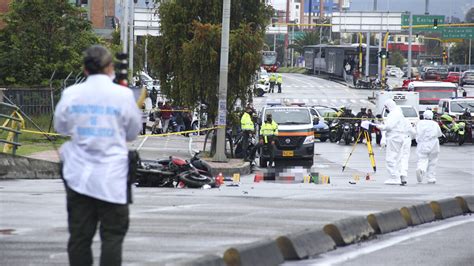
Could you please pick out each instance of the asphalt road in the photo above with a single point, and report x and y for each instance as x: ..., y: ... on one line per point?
x: 422, y: 245
x: 170, y: 224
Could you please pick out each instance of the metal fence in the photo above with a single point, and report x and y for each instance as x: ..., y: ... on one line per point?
x: 32, y: 101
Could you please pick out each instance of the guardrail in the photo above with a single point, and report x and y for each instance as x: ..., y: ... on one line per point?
x: 16, y: 121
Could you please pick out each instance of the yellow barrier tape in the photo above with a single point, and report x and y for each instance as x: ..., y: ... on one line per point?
x: 181, y: 132
x: 146, y: 135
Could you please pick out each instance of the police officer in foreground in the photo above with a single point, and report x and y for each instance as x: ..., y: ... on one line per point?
x: 100, y: 117
x: 268, y: 132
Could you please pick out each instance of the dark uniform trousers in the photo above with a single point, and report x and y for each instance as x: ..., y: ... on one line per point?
x: 84, y: 214
x: 269, y: 149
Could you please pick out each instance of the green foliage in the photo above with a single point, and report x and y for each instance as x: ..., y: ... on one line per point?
x: 460, y: 53
x: 308, y: 38
x: 42, y: 36
x: 188, y: 54
x: 396, y: 58
x: 299, y: 70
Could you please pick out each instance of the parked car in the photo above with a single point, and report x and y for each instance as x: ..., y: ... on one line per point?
x: 467, y: 78
x: 395, y: 72
x: 442, y: 73
x: 430, y: 74
x: 414, y: 72
x: 453, y: 77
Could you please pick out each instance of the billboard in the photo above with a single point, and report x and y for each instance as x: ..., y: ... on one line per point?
x: 330, y: 6
x: 366, y: 22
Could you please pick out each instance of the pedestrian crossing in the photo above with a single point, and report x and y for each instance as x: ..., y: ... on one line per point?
x: 262, y: 101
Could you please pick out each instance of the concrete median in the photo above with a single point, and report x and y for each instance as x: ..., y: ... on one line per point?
x: 446, y: 208
x: 206, y: 260
x: 387, y: 221
x: 418, y: 214
x: 18, y: 167
x: 263, y: 253
x: 304, y: 244
x: 350, y: 230
x: 466, y: 203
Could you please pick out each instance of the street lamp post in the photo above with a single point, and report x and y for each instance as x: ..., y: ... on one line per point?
x: 220, y: 156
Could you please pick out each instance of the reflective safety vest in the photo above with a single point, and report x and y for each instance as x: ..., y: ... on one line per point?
x: 268, y: 129
x: 246, y: 122
x: 280, y: 79
x: 272, y: 78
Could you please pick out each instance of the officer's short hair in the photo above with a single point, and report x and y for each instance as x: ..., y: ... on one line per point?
x: 96, y: 59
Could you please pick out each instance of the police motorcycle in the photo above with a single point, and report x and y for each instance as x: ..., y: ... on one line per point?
x: 347, y: 132
x: 169, y: 172
x: 452, y: 131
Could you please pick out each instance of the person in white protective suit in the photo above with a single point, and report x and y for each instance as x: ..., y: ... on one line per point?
x: 427, y: 134
x: 406, y: 152
x: 396, y: 128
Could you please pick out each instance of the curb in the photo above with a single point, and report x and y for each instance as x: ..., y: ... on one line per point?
x: 466, y: 202
x: 349, y: 231
x: 18, y: 167
x: 242, y: 169
x: 418, y: 214
x: 387, y: 221
x: 262, y: 253
x: 304, y: 244
x: 446, y: 208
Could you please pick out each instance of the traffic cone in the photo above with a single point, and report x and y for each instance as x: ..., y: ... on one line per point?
x: 258, y: 178
x: 219, y: 179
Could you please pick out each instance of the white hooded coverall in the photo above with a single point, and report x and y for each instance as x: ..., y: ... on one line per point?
x: 406, y: 149
x: 396, y: 129
x: 427, y: 134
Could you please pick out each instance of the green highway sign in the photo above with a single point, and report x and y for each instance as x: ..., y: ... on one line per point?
x: 421, y: 19
x: 458, y: 33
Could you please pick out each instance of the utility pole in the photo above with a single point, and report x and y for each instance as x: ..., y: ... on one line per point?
x: 375, y: 5
x: 220, y: 155
x: 470, y: 52
x: 427, y: 4
x: 410, y: 37
x: 367, y: 56
x: 310, y: 11
x: 321, y: 9
x: 132, y: 39
x: 125, y: 26
x: 285, y: 53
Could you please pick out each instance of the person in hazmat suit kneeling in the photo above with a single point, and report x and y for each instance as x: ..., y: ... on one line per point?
x: 396, y: 129
x: 427, y: 149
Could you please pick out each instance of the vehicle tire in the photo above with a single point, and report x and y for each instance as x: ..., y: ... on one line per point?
x: 442, y: 140
x: 323, y: 139
x: 196, y: 180
x: 333, y: 137
x: 259, y: 92
x: 262, y: 162
x: 347, y: 140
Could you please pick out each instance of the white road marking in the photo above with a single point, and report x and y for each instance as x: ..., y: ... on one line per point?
x: 370, y: 248
x: 141, y: 143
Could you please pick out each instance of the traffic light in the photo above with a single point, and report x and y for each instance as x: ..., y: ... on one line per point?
x: 384, y: 54
x: 121, y: 69
x: 435, y: 23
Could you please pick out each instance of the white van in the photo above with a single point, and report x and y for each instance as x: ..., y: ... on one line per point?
x: 455, y: 106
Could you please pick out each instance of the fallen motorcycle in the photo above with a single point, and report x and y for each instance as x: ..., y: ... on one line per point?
x: 169, y: 172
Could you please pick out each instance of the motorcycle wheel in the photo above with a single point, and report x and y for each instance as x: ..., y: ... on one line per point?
x: 333, y: 137
x: 323, y: 139
x: 442, y: 140
x: 196, y: 180
x: 347, y: 140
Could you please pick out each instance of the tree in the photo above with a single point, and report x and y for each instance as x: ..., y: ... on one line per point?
x: 396, y: 58
x: 469, y: 16
x: 42, y: 36
x: 308, y: 38
x: 188, y: 53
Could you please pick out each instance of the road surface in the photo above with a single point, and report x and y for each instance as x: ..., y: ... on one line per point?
x: 170, y: 224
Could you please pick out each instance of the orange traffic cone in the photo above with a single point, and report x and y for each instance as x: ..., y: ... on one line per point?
x: 258, y: 177
x: 219, y: 179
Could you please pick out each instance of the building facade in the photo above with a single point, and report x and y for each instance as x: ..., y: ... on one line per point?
x: 101, y: 13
